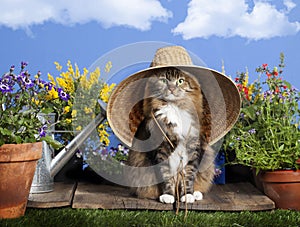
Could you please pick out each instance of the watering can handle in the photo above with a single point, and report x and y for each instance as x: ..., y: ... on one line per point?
x: 65, y: 154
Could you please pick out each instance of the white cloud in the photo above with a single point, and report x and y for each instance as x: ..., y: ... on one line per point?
x: 138, y: 14
x: 225, y: 18
x: 289, y: 5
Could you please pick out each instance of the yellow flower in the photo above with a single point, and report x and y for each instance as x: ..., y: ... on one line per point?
x: 250, y: 91
x: 51, y: 79
x: 58, y: 66
x: 108, y: 66
x: 103, y: 134
x: 83, y: 82
x: 61, y: 82
x: 94, y: 77
x: 78, y: 128
x: 36, y: 101
x: 85, y: 71
x: 77, y: 72
x: 245, y: 82
x: 68, y: 120
x: 70, y: 67
x: 74, y: 113
x: 67, y: 109
x: 105, y: 92
x: 87, y: 110
x: 52, y: 94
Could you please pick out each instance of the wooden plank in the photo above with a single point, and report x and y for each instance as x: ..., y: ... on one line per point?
x: 94, y: 196
x: 228, y: 197
x: 61, y: 196
x: 233, y: 197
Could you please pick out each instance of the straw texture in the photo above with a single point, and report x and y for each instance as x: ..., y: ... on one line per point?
x: 222, y: 99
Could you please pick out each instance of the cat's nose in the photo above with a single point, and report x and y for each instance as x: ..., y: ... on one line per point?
x: 171, y: 87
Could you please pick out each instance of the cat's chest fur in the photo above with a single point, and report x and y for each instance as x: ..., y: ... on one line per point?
x: 183, y: 127
x: 179, y: 118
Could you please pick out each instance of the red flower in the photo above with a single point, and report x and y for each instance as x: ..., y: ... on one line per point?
x: 246, y: 91
x: 275, y: 73
x: 269, y: 75
x: 236, y: 79
x: 264, y: 66
x: 277, y: 90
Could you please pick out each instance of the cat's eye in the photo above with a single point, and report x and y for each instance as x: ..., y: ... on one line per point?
x: 164, y: 80
x: 180, y: 81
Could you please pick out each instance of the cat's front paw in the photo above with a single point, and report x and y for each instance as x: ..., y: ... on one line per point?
x: 188, y: 198
x: 166, y: 198
x: 198, y: 195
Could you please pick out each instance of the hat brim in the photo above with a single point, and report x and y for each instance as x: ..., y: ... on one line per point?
x: 124, y: 109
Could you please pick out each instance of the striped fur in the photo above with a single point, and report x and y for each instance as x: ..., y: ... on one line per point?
x: 175, y: 100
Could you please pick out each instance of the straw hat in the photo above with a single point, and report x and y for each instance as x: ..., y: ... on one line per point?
x: 125, y: 112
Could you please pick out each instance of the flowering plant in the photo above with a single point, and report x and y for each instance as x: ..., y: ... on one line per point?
x: 23, y: 98
x: 266, y: 136
x: 107, y: 159
x: 84, y: 90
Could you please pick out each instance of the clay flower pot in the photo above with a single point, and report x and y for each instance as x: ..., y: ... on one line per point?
x: 17, y: 167
x: 283, y: 187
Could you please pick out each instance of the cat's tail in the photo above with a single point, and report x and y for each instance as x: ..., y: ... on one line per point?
x: 206, y: 171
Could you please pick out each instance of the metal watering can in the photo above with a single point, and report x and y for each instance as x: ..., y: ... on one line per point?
x: 48, y: 167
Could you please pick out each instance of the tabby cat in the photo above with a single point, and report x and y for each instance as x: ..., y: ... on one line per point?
x: 175, y: 119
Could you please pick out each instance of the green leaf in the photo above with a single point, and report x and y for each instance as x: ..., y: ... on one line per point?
x: 281, y: 147
x: 52, y: 142
x: 287, y: 84
x: 47, y: 110
x: 5, y: 131
x: 250, y: 112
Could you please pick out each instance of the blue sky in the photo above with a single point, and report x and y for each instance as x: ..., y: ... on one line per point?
x: 242, y: 33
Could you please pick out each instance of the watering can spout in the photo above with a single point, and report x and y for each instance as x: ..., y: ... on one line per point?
x: 46, y: 168
x: 65, y: 154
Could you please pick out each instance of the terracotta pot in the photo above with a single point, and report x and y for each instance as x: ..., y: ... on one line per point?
x: 17, y: 167
x: 283, y: 187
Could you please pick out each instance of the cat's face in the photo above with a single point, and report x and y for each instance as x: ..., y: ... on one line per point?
x: 171, y: 84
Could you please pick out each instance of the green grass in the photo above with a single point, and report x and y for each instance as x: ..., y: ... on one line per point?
x: 85, y: 217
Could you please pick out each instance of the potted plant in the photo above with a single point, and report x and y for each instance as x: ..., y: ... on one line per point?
x: 266, y: 136
x: 23, y: 98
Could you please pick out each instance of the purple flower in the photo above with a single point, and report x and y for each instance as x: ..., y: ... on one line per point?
x: 103, y: 151
x: 63, y: 95
x: 49, y: 86
x: 112, y: 152
x: 5, y: 87
x: 8, y: 79
x: 23, y: 64
x: 267, y: 93
x: 25, y: 80
x: 218, y: 172
x: 126, y: 151
x: 12, y: 68
x: 42, y: 131
x: 252, y: 131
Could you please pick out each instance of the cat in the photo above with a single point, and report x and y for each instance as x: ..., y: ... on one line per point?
x: 175, y: 120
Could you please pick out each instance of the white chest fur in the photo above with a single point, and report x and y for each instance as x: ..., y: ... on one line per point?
x: 184, y: 126
x: 178, y: 117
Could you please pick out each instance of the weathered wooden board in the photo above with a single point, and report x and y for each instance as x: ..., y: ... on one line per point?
x: 61, y: 196
x: 112, y: 197
x: 228, y: 197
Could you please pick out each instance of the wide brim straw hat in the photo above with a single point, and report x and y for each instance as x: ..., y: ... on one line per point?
x: 223, y: 102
